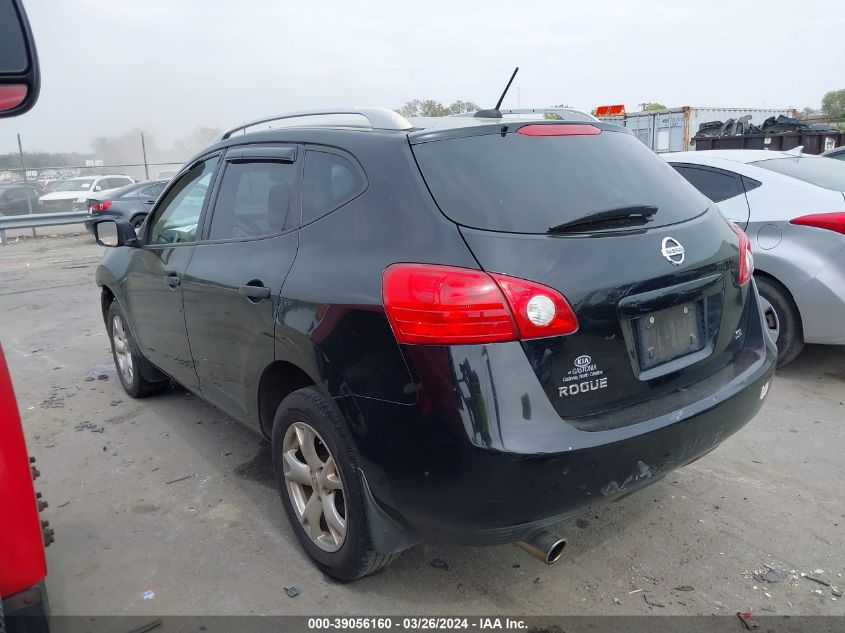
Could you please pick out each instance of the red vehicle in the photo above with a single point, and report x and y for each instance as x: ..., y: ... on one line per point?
x: 22, y: 535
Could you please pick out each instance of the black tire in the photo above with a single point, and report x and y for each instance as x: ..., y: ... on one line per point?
x: 356, y: 556
x: 136, y: 386
x: 138, y: 220
x: 790, y: 335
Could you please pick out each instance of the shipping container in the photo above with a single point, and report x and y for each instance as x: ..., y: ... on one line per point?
x: 672, y: 130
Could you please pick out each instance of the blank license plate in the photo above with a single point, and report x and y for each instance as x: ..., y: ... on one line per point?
x: 669, y: 334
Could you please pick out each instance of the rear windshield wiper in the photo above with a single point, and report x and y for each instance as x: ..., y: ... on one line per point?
x: 636, y: 214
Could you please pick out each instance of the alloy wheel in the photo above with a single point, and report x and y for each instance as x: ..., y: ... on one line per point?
x: 315, y: 487
x: 120, y: 340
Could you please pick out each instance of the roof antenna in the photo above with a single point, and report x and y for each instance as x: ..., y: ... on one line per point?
x: 495, y: 113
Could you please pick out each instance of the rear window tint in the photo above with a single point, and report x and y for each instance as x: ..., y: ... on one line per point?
x: 525, y: 184
x: 822, y: 172
x: 330, y: 181
x: 716, y: 185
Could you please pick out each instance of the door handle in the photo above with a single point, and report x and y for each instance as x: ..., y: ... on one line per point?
x: 173, y: 280
x: 149, y: 201
x: 251, y: 291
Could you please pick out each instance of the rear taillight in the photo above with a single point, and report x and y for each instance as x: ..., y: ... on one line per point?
x: 100, y: 206
x: 559, y: 129
x: 429, y: 304
x: 829, y: 221
x: 746, y: 259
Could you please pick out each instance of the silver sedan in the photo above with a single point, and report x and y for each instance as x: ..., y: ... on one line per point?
x: 792, y: 207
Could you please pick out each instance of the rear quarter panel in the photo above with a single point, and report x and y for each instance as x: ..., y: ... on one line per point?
x: 331, y: 319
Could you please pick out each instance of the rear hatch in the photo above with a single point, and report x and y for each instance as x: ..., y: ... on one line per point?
x: 653, y: 280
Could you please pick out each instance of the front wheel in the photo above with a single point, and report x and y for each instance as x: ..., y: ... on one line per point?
x: 127, y: 360
x: 782, y: 319
x: 316, y: 466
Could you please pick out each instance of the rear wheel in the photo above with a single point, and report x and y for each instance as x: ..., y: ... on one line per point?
x: 316, y: 465
x: 138, y: 220
x: 781, y: 316
x: 127, y: 359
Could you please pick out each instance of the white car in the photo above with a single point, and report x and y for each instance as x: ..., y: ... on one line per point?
x: 792, y: 207
x: 71, y: 194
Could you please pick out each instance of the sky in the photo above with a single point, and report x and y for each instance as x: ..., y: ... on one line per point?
x: 169, y: 66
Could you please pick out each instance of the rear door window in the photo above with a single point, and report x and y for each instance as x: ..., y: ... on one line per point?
x: 153, y: 191
x: 716, y: 184
x: 254, y: 200
x: 330, y: 181
x: 526, y: 184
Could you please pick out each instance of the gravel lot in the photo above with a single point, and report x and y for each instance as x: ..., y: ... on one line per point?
x: 218, y: 541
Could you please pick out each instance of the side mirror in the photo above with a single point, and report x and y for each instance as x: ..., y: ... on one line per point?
x: 20, y: 79
x: 113, y: 233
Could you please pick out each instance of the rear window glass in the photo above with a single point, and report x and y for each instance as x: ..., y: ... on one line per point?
x: 330, y: 181
x: 527, y: 184
x: 822, y: 172
x: 716, y: 185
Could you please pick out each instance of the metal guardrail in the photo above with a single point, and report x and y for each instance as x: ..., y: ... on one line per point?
x: 35, y: 220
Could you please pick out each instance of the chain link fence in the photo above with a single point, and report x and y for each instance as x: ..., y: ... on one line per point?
x: 29, y: 186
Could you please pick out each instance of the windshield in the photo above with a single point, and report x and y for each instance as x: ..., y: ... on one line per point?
x: 527, y: 184
x: 815, y: 170
x: 76, y: 184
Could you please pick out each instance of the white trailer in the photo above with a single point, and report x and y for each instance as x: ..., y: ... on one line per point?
x: 672, y: 130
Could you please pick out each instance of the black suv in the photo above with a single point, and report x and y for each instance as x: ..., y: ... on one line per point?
x: 469, y: 328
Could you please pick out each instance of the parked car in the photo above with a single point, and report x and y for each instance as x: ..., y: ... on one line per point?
x: 837, y: 153
x: 792, y: 208
x: 433, y: 342
x: 72, y: 194
x: 19, y: 197
x: 131, y: 203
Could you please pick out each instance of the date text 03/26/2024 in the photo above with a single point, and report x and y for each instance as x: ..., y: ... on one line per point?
x: 417, y: 623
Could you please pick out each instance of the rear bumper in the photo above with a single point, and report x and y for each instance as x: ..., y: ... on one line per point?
x: 500, y: 464
x: 822, y: 305
x: 27, y: 611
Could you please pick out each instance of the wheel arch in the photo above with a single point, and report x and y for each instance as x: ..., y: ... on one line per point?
x: 786, y: 290
x: 278, y: 380
x: 106, y: 298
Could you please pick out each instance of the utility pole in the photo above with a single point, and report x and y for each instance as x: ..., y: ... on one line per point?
x: 144, y: 151
x: 28, y: 193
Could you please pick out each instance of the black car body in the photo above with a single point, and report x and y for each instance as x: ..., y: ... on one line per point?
x: 392, y: 272
x: 19, y: 197
x: 131, y: 203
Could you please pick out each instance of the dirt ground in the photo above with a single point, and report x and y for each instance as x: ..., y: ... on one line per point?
x: 216, y: 540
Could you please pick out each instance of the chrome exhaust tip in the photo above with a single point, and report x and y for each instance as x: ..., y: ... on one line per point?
x: 544, y: 546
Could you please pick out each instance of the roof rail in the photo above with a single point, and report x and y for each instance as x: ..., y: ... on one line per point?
x: 378, y: 118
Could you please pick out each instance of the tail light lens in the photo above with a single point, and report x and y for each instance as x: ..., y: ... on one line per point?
x: 829, y: 221
x: 100, y: 206
x: 429, y: 304
x: 746, y: 259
